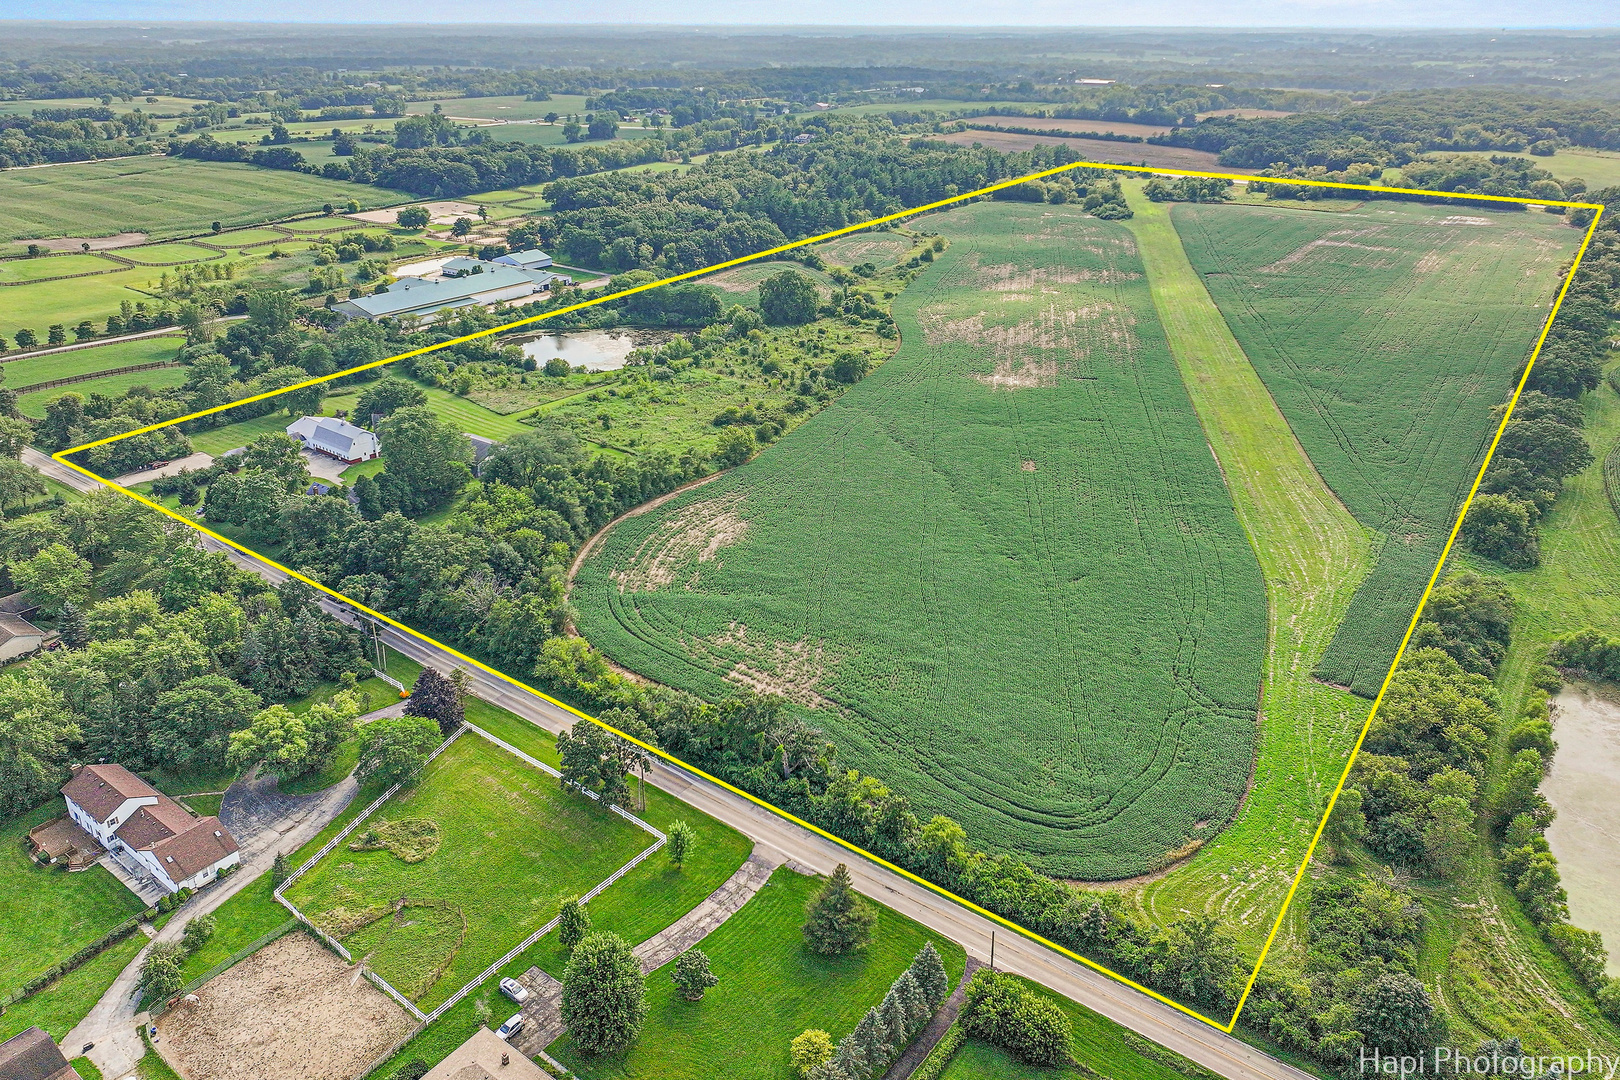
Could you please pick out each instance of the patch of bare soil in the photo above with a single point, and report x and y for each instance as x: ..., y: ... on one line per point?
x: 292, y: 1011
x: 1465, y: 219
x: 97, y: 243
x: 1042, y: 123
x: 1299, y: 254
x: 1019, y: 350
x: 694, y: 535
x: 793, y: 669
x: 1012, y: 278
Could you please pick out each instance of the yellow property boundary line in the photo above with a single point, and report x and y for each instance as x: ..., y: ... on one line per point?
x: 61, y: 458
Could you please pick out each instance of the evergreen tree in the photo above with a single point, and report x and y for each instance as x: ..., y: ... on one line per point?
x: 895, y: 1025
x: 929, y: 971
x: 911, y: 1000
x: 573, y: 923
x: 836, y: 919
x: 604, y: 998
x: 868, y: 1041
x: 71, y: 625
x: 852, y: 1060
x: 436, y: 697
x: 692, y: 974
x: 280, y: 870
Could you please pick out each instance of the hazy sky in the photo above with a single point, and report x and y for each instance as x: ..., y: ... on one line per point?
x: 1458, y: 14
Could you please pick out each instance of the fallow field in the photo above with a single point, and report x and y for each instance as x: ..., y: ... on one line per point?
x: 1003, y: 571
x: 1386, y: 336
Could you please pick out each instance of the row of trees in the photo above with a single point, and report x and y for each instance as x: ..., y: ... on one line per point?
x: 886, y: 1028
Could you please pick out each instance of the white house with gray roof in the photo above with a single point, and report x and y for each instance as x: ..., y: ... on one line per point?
x: 335, y: 438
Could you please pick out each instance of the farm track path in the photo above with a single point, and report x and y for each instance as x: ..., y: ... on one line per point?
x: 1224, y: 1055
x: 1313, y: 555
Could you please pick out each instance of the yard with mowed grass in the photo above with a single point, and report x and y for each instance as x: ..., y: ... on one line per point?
x: 50, y: 914
x: 1101, y: 1048
x: 512, y: 844
x: 30, y: 370
x: 471, y: 417
x: 216, y: 441
x: 1386, y: 336
x: 61, y: 1005
x: 162, y: 196
x: 1003, y: 571
x: 33, y: 405
x: 772, y: 986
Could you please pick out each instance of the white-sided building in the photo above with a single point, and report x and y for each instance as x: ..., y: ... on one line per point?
x: 533, y: 259
x: 335, y: 438
x: 131, y: 818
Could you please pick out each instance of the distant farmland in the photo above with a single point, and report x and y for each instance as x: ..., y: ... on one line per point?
x: 1003, y: 571
x: 1386, y: 337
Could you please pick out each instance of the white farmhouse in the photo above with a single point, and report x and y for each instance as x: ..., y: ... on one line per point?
x: 132, y: 819
x: 335, y: 438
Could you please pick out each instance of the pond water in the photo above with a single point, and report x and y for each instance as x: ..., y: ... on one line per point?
x: 1585, y: 787
x: 596, y: 350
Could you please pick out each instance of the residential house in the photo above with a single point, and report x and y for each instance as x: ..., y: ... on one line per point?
x: 481, y: 448
x: 486, y: 1056
x: 142, y: 826
x: 335, y: 438
x: 32, y: 1055
x: 18, y: 637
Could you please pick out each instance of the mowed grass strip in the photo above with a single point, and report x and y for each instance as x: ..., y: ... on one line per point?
x: 65, y: 365
x: 772, y: 987
x: 513, y: 845
x: 33, y: 405
x: 55, y: 266
x: 1313, y: 555
x: 471, y: 417
x: 162, y: 196
x: 1002, y: 571
x: 1386, y: 335
x: 49, y: 914
x: 168, y: 254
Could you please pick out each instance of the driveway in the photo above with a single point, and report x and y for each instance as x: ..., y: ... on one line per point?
x: 322, y: 467
x: 194, y: 462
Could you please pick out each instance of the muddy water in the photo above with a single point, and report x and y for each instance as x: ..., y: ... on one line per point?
x: 596, y: 350
x: 1585, y: 787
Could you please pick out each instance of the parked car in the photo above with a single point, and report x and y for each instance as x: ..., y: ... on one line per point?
x: 511, y: 1027
x: 514, y: 990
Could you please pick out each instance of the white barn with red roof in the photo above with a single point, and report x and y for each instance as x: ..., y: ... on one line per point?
x: 131, y: 818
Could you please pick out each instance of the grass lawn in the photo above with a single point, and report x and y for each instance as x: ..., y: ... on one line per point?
x: 206, y: 805
x: 30, y: 370
x: 71, y: 300
x: 33, y: 404
x: 216, y: 441
x: 162, y: 196
x: 514, y: 844
x: 771, y: 988
x: 65, y: 1002
x: 365, y: 468
x: 54, y: 266
x: 168, y: 254
x: 1102, y: 1047
x: 49, y: 914
x: 471, y: 417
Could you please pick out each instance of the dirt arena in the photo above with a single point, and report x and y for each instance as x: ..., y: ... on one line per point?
x: 292, y: 1011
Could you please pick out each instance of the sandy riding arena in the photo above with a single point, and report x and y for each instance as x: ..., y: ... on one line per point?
x: 292, y: 1011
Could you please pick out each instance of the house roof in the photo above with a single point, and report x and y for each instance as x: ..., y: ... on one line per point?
x: 531, y: 258
x: 198, y: 848
x: 330, y: 433
x: 17, y: 604
x: 153, y: 824
x: 420, y: 293
x: 101, y: 789
x: 32, y: 1055
x: 479, y: 1058
x: 15, y: 626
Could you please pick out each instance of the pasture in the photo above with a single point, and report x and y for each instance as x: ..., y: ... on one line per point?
x: 1386, y: 336
x: 38, y: 304
x: 33, y: 404
x: 162, y: 196
x: 509, y: 844
x: 54, y: 266
x: 37, y: 369
x: 168, y: 254
x: 772, y: 986
x: 1002, y: 572
x: 505, y: 107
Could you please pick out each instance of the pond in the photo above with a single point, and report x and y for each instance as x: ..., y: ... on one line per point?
x: 596, y: 350
x: 1585, y: 787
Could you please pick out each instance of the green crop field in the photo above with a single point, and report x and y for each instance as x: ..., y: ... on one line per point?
x: 162, y: 196
x: 1003, y: 571
x: 1386, y: 336
x: 507, y: 107
x: 513, y: 845
x: 772, y: 987
x: 33, y: 405
x: 48, y: 913
x: 37, y: 369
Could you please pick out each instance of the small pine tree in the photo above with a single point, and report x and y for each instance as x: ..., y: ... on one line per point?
x: 72, y: 626
x: 692, y: 974
x: 436, y: 697
x: 911, y: 998
x: 895, y: 1025
x: 280, y: 870
x: 929, y: 971
x: 868, y: 1041
x: 852, y: 1060
x: 573, y: 923
x: 836, y: 919
x: 682, y: 838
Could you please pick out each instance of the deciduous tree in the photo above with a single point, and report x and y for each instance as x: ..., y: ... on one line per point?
x: 604, y: 998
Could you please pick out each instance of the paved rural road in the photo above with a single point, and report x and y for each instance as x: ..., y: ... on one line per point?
x: 1220, y: 1053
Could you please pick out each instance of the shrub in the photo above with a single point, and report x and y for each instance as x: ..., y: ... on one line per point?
x: 197, y: 933
x: 692, y: 974
x: 573, y: 923
x: 413, y: 1070
x: 1030, y: 1026
x: 810, y: 1049
x: 160, y: 971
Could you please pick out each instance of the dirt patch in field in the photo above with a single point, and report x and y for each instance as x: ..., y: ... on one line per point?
x: 1011, y: 278
x: 97, y: 243
x: 1465, y: 219
x: 1042, y: 123
x: 1101, y: 150
x: 292, y: 1010
x: 694, y: 535
x: 1020, y: 351
x: 1299, y: 254
x: 793, y: 669
x: 856, y: 249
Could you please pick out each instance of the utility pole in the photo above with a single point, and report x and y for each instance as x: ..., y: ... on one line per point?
x: 992, y: 952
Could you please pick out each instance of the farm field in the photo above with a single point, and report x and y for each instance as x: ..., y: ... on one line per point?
x: 1045, y: 123
x: 48, y: 913
x: 168, y: 254
x: 68, y: 301
x: 1124, y: 153
x: 1390, y: 387
x: 741, y: 285
x: 533, y: 844
x: 33, y: 405
x: 55, y: 266
x: 506, y: 107
x: 30, y: 370
x: 161, y: 196
x: 772, y: 987
x: 922, y: 565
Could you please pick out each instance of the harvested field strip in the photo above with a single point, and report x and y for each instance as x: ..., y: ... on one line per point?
x: 1029, y: 607
x: 1386, y: 336
x: 1313, y: 555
